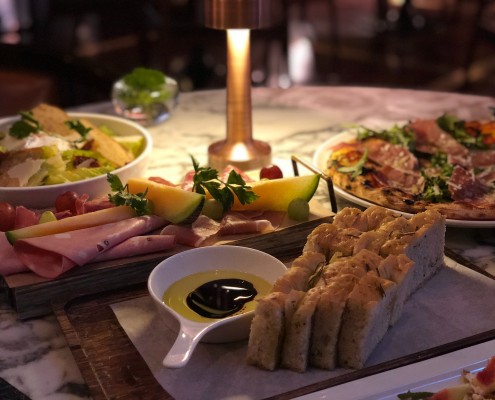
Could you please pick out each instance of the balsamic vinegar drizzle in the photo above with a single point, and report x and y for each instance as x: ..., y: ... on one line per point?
x: 221, y: 298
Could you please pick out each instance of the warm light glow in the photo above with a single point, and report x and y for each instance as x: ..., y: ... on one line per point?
x: 239, y: 152
x: 239, y: 123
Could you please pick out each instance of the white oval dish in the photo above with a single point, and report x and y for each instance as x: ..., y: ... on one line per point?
x: 44, y: 196
x: 203, y: 259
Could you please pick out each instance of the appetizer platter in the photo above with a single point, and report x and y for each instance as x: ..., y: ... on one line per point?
x: 393, y: 303
x: 444, y: 164
x: 86, y: 243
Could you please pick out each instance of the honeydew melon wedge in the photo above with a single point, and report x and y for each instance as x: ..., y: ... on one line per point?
x: 276, y: 194
x: 82, y: 221
x: 174, y: 204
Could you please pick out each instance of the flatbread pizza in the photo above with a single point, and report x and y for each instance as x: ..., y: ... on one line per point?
x: 447, y: 165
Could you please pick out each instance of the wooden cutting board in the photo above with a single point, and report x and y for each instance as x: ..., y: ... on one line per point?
x: 32, y: 296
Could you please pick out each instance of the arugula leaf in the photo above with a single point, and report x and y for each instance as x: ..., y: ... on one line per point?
x: 457, y: 129
x: 436, y: 189
x: 138, y: 202
x: 402, y: 136
x: 25, y: 126
x: 77, y: 126
x: 356, y: 169
x: 415, y: 395
x: 206, y: 179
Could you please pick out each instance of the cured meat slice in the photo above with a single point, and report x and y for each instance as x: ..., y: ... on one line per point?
x: 463, y: 185
x: 385, y: 153
x: 235, y: 223
x: 138, y: 245
x: 51, y: 255
x: 10, y: 262
x: 429, y: 138
x: 25, y: 217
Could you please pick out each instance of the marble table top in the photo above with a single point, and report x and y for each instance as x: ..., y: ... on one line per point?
x: 34, y: 357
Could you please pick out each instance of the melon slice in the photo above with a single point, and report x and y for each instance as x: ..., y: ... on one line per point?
x: 82, y: 221
x: 174, y: 204
x: 276, y: 194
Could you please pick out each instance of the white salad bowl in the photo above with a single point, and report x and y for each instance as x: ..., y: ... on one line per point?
x: 45, y: 196
x: 208, y: 259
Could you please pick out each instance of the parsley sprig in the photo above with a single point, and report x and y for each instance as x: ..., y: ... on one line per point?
x: 25, y: 126
x: 206, y: 179
x: 122, y: 197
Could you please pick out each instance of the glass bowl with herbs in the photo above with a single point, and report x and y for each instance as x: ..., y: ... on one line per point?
x: 145, y: 96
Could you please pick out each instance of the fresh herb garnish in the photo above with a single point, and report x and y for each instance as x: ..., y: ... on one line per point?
x: 356, y: 169
x: 144, y: 87
x: 25, y: 126
x: 402, y: 136
x: 77, y: 126
x: 436, y: 189
x: 440, y: 161
x: 415, y: 395
x: 457, y: 129
x: 138, y: 202
x: 206, y: 179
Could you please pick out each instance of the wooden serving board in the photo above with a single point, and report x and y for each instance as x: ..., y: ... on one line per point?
x: 32, y: 296
x: 113, y: 368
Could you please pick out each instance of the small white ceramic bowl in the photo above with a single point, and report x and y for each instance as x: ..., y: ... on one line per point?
x: 44, y: 196
x: 212, y: 258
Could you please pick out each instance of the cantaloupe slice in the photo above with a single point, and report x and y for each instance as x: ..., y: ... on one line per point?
x: 276, y: 194
x: 82, y: 221
x: 174, y: 204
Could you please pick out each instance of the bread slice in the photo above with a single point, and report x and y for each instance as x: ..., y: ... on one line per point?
x: 424, y: 244
x: 298, y: 337
x: 327, y: 319
x: 269, y: 326
x: 365, y: 320
x: 298, y: 275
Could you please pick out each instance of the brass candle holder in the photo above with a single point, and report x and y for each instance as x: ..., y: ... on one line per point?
x: 238, y: 17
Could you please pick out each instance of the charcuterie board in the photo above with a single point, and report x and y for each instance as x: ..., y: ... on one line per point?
x: 31, y: 295
x: 114, y: 366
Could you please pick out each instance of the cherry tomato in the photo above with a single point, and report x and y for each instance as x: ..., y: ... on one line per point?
x: 271, y: 172
x: 66, y: 201
x: 7, y: 216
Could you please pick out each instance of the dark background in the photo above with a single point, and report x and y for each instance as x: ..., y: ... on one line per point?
x: 68, y: 52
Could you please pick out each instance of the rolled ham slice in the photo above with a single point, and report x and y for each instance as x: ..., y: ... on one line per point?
x: 10, y: 263
x: 138, y: 245
x: 51, y: 255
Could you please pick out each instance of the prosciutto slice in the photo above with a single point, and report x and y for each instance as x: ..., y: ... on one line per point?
x: 430, y: 138
x: 51, y: 255
x: 463, y: 185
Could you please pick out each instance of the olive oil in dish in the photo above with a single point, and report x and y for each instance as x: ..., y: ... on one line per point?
x: 241, y: 288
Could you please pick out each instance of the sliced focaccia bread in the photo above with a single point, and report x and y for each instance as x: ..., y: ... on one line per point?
x: 327, y: 319
x: 298, y: 275
x: 365, y: 320
x: 268, y: 328
x: 424, y: 245
x: 298, y: 336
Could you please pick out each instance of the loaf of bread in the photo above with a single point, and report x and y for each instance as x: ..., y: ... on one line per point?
x: 336, y: 302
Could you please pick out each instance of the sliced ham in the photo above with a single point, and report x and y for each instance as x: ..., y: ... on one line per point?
x: 408, y: 181
x: 10, y: 263
x: 463, y: 185
x: 235, y: 224
x: 138, y: 245
x: 429, y: 138
x: 195, y: 234
x: 51, y: 255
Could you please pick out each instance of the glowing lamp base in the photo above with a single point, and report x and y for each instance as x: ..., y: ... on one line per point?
x: 246, y: 156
